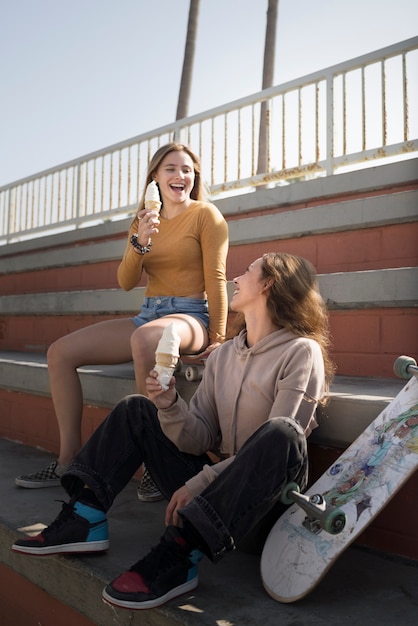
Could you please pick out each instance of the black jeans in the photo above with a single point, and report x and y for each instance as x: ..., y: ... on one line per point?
x: 230, y: 508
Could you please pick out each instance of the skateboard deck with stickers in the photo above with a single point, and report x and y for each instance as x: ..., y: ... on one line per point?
x: 321, y: 523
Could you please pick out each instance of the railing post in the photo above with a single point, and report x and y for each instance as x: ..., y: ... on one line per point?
x: 179, y: 134
x: 329, y: 165
x: 78, y: 196
x: 8, y: 214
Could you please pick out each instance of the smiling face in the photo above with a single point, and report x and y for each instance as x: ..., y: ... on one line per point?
x: 175, y: 177
x: 248, y: 287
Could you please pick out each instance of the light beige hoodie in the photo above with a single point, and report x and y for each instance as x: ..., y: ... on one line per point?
x: 280, y: 376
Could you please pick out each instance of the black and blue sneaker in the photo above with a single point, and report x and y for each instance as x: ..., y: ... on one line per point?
x: 168, y: 571
x: 78, y: 528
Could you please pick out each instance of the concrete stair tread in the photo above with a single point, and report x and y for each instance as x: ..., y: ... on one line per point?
x: 343, y: 386
x: 354, y: 401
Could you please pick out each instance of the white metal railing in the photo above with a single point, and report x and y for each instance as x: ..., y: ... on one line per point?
x: 344, y: 116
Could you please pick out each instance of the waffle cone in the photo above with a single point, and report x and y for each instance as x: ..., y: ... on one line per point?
x: 153, y: 205
x: 166, y: 360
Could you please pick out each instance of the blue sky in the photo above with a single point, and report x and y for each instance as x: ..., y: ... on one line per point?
x: 79, y: 75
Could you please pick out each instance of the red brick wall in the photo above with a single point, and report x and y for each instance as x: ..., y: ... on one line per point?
x: 31, y: 420
x: 372, y: 248
x: 367, y: 342
x: 369, y: 249
x: 35, y: 333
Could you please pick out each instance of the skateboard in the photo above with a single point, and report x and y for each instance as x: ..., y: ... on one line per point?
x: 321, y: 523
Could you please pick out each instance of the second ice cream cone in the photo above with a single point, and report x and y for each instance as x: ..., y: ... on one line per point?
x: 167, y: 355
x: 166, y: 360
x: 165, y: 374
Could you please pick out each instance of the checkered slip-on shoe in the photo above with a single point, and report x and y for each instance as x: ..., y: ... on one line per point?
x: 147, y: 489
x: 50, y: 476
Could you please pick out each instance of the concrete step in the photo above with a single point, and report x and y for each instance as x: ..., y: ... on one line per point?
x: 363, y: 587
x: 385, y: 195
x: 354, y: 401
x: 342, y: 291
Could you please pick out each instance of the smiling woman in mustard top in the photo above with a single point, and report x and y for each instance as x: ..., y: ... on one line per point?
x: 183, y: 253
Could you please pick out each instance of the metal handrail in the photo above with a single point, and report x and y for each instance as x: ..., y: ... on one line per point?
x: 353, y: 114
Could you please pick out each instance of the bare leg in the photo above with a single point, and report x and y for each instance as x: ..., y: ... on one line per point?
x: 103, y: 343
x: 144, y: 341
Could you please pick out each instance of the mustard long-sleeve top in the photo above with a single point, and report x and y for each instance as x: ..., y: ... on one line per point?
x: 188, y: 256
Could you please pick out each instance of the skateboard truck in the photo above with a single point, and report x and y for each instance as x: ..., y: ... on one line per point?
x: 320, y: 515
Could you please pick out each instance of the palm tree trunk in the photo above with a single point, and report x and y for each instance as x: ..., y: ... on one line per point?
x: 186, y: 77
x: 268, y: 76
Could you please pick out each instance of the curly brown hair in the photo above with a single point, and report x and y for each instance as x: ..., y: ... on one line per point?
x: 294, y: 303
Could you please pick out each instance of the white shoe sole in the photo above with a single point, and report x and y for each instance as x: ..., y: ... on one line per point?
x: 67, y: 548
x: 150, y: 604
x: 32, y: 484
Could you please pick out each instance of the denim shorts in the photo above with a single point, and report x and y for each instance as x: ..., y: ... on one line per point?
x: 154, y: 308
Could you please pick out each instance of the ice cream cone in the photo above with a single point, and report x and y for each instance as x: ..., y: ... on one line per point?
x: 167, y: 355
x: 165, y: 374
x: 153, y: 205
x: 166, y: 360
x: 152, y: 199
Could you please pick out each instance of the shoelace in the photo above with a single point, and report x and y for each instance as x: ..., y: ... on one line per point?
x: 67, y: 512
x: 161, y: 558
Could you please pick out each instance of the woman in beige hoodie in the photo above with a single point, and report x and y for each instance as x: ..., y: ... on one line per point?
x: 254, y: 408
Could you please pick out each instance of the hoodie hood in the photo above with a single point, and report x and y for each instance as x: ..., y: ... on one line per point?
x: 276, y: 339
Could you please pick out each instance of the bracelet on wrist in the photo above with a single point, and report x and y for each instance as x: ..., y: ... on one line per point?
x: 139, y: 247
